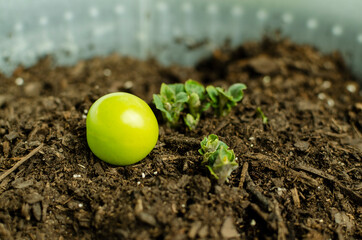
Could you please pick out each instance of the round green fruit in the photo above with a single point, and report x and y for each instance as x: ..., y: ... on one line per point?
x: 121, y: 129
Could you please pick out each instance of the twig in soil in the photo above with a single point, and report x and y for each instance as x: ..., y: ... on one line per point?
x: 243, y: 174
x: 269, y: 206
x: 282, y: 229
x: 278, y: 225
x: 23, y: 159
x: 295, y: 197
x: 315, y: 171
x: 68, y: 200
x: 251, y: 187
x: 45, y: 202
x: 353, y: 195
x: 267, y: 162
x: 264, y: 216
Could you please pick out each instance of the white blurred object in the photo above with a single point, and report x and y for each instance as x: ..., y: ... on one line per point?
x: 71, y: 30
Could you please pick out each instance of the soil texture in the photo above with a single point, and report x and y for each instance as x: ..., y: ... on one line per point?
x: 299, y: 175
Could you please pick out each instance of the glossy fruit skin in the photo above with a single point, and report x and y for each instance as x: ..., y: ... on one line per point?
x: 121, y: 129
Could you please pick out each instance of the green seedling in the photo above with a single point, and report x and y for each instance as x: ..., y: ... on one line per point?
x: 171, y: 102
x: 223, y: 101
x: 262, y: 115
x: 191, y: 99
x: 217, y: 157
x: 196, y: 103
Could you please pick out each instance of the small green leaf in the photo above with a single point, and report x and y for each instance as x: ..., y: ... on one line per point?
x: 212, y: 172
x: 224, y: 164
x: 158, y: 102
x: 217, y: 157
x: 160, y: 106
x: 213, y: 94
x: 212, y: 157
x: 170, y: 103
x: 203, y: 146
x: 236, y: 91
x: 223, y: 93
x: 223, y: 101
x: 262, y: 115
x: 205, y: 107
x: 212, y: 143
x: 167, y: 93
x: 177, y: 87
x: 194, y: 104
x: 194, y: 100
x: 192, y: 86
x: 226, y: 155
x: 191, y: 121
x: 181, y: 97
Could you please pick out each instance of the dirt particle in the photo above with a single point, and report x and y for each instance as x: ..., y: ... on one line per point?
x: 183, y: 200
x: 6, y: 148
x: 99, y: 216
x: 33, y: 197
x: 37, y: 211
x: 264, y: 65
x: 20, y: 183
x: 4, y: 99
x: 11, y: 136
x: 25, y: 211
x: 139, y: 206
x: 5, y: 233
x: 74, y: 204
x: 98, y: 168
x: 203, y: 232
x: 33, y: 89
x: 147, y: 218
x: 194, y: 229
x: 302, y: 145
x: 305, y: 105
x: 83, y: 217
x: 228, y: 229
x: 253, y: 223
x: 40, y: 235
x: 342, y: 219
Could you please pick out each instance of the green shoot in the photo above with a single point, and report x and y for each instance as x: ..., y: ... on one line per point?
x: 191, y: 121
x: 217, y: 158
x: 262, y: 115
x: 196, y: 103
x: 171, y: 101
x: 191, y: 99
x: 223, y: 101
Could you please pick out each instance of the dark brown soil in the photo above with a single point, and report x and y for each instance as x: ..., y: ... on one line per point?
x: 300, y: 175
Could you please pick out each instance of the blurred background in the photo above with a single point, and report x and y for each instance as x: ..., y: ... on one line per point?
x: 172, y: 31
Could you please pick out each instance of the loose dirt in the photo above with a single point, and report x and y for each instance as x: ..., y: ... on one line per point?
x: 299, y: 175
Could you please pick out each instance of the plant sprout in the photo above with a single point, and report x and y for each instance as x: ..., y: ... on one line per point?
x: 171, y: 101
x: 217, y: 157
x: 196, y: 103
x: 191, y: 99
x: 222, y: 101
x: 262, y: 115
